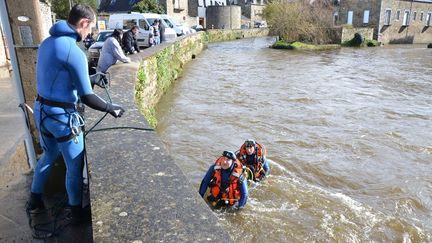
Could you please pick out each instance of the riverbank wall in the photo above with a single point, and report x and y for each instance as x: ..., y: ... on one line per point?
x: 137, y: 191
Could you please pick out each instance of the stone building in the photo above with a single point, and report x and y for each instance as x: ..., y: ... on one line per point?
x: 253, y: 10
x: 393, y: 21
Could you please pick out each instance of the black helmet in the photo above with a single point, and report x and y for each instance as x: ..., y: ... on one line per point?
x: 229, y: 155
x: 250, y: 143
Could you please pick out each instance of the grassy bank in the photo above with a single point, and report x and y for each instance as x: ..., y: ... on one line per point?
x: 302, y: 46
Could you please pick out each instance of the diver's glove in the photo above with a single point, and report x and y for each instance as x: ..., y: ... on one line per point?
x: 236, y: 206
x: 115, y: 110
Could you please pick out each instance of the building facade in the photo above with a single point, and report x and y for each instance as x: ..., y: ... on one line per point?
x: 393, y: 21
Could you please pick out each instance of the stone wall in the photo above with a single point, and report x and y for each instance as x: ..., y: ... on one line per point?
x: 348, y: 33
x: 154, y: 78
x: 46, y: 14
x: 415, y: 32
x: 226, y: 35
x: 358, y: 8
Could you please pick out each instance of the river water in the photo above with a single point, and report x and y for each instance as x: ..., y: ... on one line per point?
x: 347, y: 132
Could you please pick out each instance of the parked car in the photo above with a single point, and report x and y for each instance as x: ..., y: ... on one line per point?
x: 198, y: 27
x: 179, y: 28
x: 260, y: 24
x: 170, y: 34
x: 93, y: 52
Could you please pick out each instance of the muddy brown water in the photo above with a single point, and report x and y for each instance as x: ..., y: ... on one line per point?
x: 347, y: 132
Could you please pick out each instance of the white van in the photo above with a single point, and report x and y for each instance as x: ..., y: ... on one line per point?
x: 180, y: 29
x: 143, y: 21
x: 126, y: 21
x: 170, y: 34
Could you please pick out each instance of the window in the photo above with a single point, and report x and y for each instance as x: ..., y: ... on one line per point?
x: 398, y: 15
x: 350, y: 17
x: 406, y: 16
x: 428, y: 19
x: 143, y: 24
x: 176, y: 4
x: 128, y: 23
x: 421, y: 16
x: 414, y: 16
x: 366, y: 17
x: 387, y: 17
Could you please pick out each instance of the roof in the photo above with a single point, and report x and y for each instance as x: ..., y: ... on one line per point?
x: 112, y: 6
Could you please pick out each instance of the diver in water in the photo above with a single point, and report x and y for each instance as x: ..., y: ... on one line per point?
x: 62, y: 79
x: 252, y: 155
x: 226, y: 181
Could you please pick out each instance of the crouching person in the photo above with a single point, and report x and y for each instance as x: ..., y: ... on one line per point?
x: 227, y: 184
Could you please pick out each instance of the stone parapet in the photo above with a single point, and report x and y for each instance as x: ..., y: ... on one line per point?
x: 348, y: 33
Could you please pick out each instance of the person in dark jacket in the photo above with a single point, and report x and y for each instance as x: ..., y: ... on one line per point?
x: 130, y: 44
x: 161, y: 30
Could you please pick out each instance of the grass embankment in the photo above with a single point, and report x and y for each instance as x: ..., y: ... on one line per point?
x: 302, y: 46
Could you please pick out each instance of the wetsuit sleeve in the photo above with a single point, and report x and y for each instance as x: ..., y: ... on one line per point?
x: 266, y: 166
x: 78, y: 69
x: 206, y: 181
x: 243, y: 194
x: 95, y: 102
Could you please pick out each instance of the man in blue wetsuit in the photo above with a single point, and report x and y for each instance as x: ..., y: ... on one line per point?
x: 62, y: 78
x: 228, y: 186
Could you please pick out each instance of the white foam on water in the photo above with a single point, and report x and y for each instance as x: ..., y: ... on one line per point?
x: 360, y: 211
x: 327, y: 225
x: 406, y: 238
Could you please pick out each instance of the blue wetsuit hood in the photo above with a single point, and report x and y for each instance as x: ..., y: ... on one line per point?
x: 63, y: 28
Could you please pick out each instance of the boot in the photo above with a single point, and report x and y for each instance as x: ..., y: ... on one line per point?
x: 35, y: 203
x: 78, y: 215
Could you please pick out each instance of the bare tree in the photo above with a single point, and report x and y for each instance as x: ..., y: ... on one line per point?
x: 302, y: 20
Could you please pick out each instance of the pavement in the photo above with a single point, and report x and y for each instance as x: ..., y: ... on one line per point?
x: 12, y: 124
x: 15, y: 180
x: 13, y: 166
